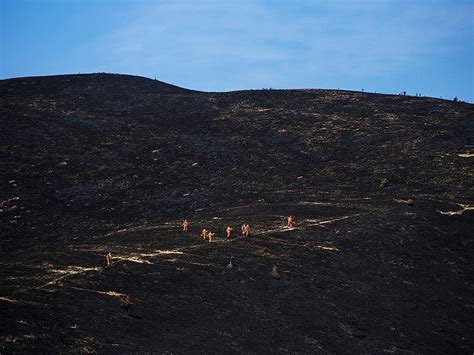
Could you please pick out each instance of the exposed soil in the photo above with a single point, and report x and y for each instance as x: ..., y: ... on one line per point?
x: 98, y: 163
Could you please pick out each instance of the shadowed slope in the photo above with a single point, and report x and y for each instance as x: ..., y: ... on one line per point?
x: 87, y: 85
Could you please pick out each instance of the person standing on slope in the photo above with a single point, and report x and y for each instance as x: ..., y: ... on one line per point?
x: 185, y: 225
x: 246, y: 230
x: 204, y: 234
x: 290, y: 221
x: 227, y: 231
x: 210, y: 235
x: 108, y: 259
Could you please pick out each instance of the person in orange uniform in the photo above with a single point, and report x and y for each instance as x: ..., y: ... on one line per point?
x: 108, y: 259
x: 185, y: 225
x: 290, y: 222
x: 246, y: 230
x: 210, y: 235
x: 227, y: 231
x: 204, y: 234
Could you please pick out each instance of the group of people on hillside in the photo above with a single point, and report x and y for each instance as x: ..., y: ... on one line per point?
x: 209, y: 236
x: 245, y: 229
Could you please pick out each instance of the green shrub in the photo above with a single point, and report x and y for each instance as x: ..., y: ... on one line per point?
x: 409, y: 202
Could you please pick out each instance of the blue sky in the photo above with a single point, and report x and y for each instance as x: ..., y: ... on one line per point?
x: 386, y: 46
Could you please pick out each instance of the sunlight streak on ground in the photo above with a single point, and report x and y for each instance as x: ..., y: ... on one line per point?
x: 106, y: 293
x: 70, y: 271
x: 313, y: 222
x: 463, y: 209
x: 137, y: 229
x: 17, y: 301
x: 133, y: 259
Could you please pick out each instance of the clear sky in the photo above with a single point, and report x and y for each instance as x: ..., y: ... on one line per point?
x: 386, y: 46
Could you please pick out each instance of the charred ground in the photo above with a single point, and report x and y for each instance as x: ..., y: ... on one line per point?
x: 100, y: 162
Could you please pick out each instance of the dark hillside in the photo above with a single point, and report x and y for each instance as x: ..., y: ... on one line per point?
x: 92, y: 163
x: 99, y: 85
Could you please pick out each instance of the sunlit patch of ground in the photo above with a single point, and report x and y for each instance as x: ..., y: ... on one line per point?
x: 314, y: 222
x: 22, y: 301
x: 464, y: 208
x: 138, y: 229
x: 105, y: 293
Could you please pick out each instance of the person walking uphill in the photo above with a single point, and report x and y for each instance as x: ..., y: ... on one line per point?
x: 290, y: 221
x: 246, y: 230
x: 108, y: 259
x: 210, y: 235
x: 185, y: 225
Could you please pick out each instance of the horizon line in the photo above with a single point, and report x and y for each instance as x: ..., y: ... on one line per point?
x: 362, y: 91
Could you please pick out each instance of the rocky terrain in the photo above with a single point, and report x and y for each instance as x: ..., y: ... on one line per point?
x: 381, y: 187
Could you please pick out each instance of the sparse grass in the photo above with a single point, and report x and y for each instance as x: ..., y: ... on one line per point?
x: 383, y: 183
x: 409, y: 202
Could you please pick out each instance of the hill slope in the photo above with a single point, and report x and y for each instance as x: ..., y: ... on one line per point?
x: 92, y: 163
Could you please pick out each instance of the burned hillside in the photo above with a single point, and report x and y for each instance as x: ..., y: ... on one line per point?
x: 380, y: 186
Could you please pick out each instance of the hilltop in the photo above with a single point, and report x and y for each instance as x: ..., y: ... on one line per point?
x: 380, y: 259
